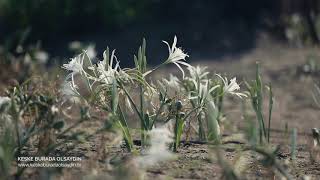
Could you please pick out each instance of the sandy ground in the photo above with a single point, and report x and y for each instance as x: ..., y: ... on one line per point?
x: 293, y: 106
x: 280, y: 66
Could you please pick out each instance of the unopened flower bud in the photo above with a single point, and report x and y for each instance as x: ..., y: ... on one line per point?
x: 181, y: 114
x: 179, y: 105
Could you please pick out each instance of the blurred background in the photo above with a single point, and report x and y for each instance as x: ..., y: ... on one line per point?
x: 207, y: 29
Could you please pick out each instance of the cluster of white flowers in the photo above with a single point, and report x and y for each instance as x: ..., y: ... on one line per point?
x: 84, y: 72
x: 203, y: 86
x: 108, y: 71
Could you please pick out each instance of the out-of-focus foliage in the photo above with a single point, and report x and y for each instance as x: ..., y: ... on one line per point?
x: 299, y: 31
x: 69, y: 14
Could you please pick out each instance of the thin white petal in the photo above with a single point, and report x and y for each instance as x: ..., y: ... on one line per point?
x: 174, y: 44
x: 169, y: 48
x: 180, y: 69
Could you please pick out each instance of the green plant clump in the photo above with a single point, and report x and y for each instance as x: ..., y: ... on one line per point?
x: 115, y: 89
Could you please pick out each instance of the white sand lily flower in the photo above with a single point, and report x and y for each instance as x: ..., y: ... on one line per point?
x: 109, y: 69
x: 41, y: 56
x: 27, y: 59
x: 75, y: 45
x: 4, y: 100
x: 231, y: 87
x: 107, y: 72
x: 5, y: 117
x: 75, y: 65
x: 176, y: 55
x: 91, y: 51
